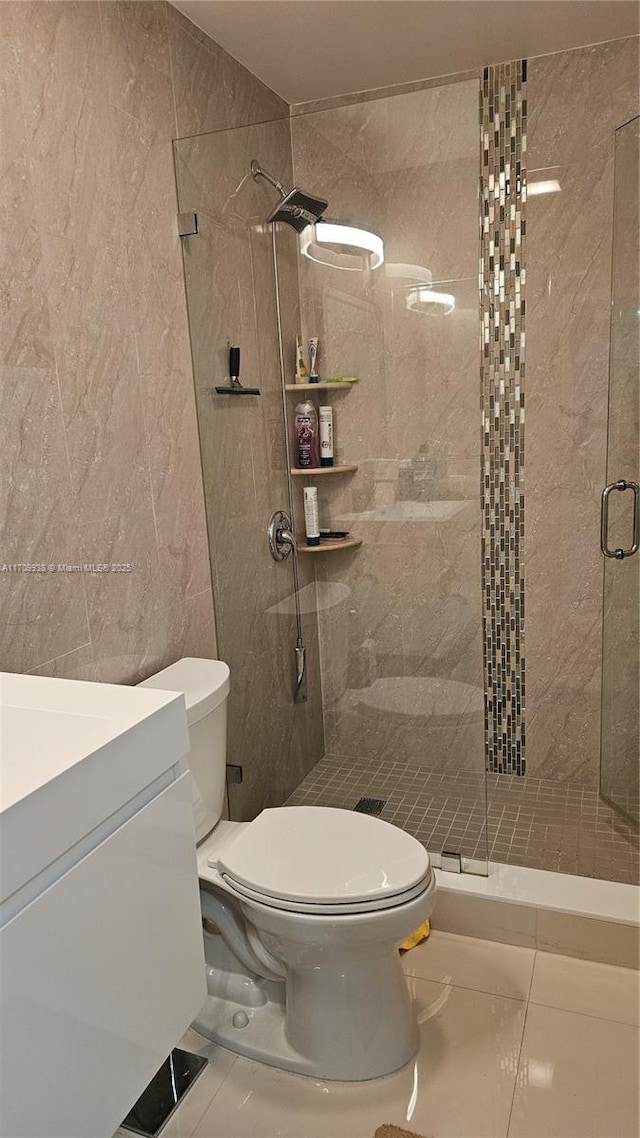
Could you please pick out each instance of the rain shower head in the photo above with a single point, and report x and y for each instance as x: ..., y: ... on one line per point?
x: 298, y: 208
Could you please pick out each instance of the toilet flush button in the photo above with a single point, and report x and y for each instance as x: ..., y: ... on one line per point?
x: 240, y: 1019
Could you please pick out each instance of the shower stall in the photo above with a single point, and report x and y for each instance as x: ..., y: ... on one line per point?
x: 357, y: 669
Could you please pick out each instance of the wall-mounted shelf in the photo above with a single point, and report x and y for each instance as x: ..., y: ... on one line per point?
x: 345, y: 385
x: 331, y: 546
x: 348, y: 469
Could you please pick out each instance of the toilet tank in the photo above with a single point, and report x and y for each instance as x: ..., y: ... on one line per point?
x: 205, y: 685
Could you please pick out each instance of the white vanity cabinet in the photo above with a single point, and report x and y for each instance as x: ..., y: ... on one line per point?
x: 101, y: 962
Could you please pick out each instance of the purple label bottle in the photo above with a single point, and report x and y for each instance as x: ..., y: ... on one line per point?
x: 306, y: 436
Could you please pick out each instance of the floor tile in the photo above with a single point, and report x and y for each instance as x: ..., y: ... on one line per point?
x: 469, y: 1040
x: 466, y: 962
x: 577, y: 1078
x: 600, y: 990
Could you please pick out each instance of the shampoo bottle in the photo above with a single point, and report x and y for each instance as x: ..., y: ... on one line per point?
x: 326, y: 436
x: 306, y: 436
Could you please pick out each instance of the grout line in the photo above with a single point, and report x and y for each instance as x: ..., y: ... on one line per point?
x: 517, y: 1073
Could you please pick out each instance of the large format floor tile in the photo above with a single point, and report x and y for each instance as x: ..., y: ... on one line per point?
x: 500, y: 969
x: 600, y: 990
x: 199, y: 1097
x: 576, y: 1059
x: 577, y: 1078
x: 460, y: 1086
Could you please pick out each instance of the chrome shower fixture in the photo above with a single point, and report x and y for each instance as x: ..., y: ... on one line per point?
x: 297, y: 208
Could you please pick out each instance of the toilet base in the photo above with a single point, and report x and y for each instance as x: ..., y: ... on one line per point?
x: 338, y: 1024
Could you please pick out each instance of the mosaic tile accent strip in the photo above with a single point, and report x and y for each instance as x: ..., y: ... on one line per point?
x: 503, y: 121
x: 563, y: 827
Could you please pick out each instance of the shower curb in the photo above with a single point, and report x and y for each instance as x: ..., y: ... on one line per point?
x: 552, y: 912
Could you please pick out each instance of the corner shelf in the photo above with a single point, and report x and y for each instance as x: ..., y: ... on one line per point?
x: 348, y: 469
x: 319, y: 386
x: 331, y: 546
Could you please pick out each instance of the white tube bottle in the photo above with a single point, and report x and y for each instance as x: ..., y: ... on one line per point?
x: 311, y: 516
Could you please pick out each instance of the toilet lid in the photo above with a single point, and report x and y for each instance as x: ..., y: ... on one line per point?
x: 317, y: 855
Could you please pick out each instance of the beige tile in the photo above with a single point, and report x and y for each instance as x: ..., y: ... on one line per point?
x: 468, y: 1039
x: 413, y: 587
x: 576, y: 99
x: 44, y: 615
x: 577, y: 1076
x: 600, y: 990
x: 75, y: 665
x: 487, y: 920
x: 36, y: 502
x: 604, y: 941
x: 212, y: 90
x: 199, y: 634
x: 466, y: 962
x: 25, y: 338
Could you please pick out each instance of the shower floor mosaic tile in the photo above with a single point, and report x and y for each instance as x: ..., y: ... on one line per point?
x: 566, y: 828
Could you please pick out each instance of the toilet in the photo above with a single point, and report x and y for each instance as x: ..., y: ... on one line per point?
x: 303, y: 913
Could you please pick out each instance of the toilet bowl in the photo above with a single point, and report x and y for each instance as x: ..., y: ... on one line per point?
x: 304, y: 910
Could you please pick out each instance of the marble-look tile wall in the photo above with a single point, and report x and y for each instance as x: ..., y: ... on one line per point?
x: 576, y: 101
x: 230, y: 290
x: 400, y: 617
x: 100, y: 446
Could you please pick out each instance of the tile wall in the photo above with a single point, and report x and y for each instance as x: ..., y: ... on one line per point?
x: 576, y: 100
x: 100, y: 433
x: 376, y: 159
x: 102, y: 443
x: 230, y: 291
x: 400, y: 632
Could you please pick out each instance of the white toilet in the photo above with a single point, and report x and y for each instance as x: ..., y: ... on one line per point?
x: 303, y: 911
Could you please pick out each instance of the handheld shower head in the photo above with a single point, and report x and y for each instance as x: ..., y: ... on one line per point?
x: 297, y: 208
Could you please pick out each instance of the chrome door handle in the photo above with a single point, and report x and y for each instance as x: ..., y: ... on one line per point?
x: 619, y: 554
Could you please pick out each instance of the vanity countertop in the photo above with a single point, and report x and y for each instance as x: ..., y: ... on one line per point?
x: 73, y: 753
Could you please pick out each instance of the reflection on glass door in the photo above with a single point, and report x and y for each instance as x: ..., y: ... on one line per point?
x: 619, y: 756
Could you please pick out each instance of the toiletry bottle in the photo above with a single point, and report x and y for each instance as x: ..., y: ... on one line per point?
x: 311, y: 517
x: 313, y: 360
x: 302, y: 375
x: 326, y: 436
x: 306, y: 436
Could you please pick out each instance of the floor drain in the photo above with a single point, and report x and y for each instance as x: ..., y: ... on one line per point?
x: 370, y: 805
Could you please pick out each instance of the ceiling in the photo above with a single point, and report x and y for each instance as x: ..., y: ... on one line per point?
x: 313, y: 49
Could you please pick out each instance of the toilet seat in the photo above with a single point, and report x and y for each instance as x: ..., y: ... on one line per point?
x: 337, y: 910
x: 314, y: 859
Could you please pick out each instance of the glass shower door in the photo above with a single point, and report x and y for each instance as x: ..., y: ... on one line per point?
x: 619, y: 755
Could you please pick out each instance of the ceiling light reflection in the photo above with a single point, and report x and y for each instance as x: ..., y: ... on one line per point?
x: 551, y: 186
x: 418, y: 273
x: 539, y: 1073
x: 422, y: 299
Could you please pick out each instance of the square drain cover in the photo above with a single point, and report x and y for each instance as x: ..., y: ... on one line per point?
x: 370, y: 805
